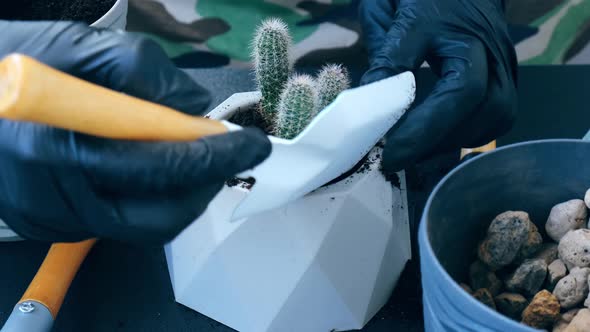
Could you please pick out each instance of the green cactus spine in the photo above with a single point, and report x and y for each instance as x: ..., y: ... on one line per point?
x: 272, y: 63
x: 331, y: 80
x: 297, y: 106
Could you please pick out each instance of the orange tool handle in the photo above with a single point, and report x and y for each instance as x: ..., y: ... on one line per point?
x: 53, y: 279
x: 31, y: 91
x: 484, y: 148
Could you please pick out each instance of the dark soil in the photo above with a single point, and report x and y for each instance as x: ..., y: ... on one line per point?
x: 390, y: 177
x: 248, y: 118
x: 244, y: 183
x: 363, y: 166
x: 88, y: 11
x: 251, y: 118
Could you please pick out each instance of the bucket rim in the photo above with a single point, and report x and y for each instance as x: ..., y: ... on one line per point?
x: 424, y: 242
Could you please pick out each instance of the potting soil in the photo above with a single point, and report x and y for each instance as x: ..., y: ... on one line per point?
x: 251, y: 118
x: 87, y: 11
x: 248, y: 118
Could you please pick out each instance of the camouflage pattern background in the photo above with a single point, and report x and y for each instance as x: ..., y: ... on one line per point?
x: 214, y: 33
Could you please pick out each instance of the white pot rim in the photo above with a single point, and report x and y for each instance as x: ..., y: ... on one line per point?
x: 110, y: 16
x: 7, y: 234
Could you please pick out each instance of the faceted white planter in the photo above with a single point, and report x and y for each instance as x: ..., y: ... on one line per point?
x: 326, y: 262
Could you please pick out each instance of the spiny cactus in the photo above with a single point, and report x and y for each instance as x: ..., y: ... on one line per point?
x: 297, y: 107
x: 272, y: 63
x: 331, y: 80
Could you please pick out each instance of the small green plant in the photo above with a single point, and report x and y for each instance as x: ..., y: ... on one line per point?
x: 297, y: 107
x: 331, y: 80
x: 271, y: 51
x: 290, y: 101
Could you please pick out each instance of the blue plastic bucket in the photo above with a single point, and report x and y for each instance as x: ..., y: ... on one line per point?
x: 532, y: 177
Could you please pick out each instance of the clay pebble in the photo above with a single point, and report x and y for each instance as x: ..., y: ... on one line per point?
x: 555, y: 271
x: 542, y: 312
x: 580, y: 323
x: 466, y: 288
x: 570, y: 314
x: 565, y: 320
x: 573, y: 288
x: 531, y: 245
x: 528, y: 278
x: 484, y: 296
x: 574, y: 248
x: 560, y: 326
x: 548, y: 252
x: 587, y: 198
x: 565, y: 217
x: 587, y: 302
x: 511, y: 304
x: 481, y: 277
x: 505, y: 236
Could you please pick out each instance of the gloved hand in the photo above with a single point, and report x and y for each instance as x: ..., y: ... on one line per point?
x: 467, y: 45
x: 61, y: 186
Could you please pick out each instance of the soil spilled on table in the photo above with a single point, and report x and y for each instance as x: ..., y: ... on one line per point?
x: 244, y: 183
x: 391, y: 177
x: 87, y: 11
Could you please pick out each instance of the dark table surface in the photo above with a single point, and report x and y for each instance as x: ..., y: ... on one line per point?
x: 124, y: 288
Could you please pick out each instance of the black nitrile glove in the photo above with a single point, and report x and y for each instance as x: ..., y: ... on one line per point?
x: 61, y: 186
x: 466, y: 43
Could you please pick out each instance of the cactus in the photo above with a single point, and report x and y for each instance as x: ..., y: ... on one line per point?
x: 331, y: 80
x: 290, y: 102
x: 272, y: 63
x: 297, y: 106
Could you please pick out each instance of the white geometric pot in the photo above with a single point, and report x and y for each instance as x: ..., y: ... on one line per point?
x: 325, y: 262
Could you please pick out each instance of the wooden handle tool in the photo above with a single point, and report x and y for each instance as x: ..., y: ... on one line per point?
x: 484, y: 148
x: 31, y: 91
x: 53, y: 279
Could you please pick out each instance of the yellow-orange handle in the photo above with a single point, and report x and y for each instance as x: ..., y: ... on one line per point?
x: 55, y: 275
x: 32, y: 91
x: 484, y: 148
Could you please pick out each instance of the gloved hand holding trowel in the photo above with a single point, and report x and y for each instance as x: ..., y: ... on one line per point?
x: 61, y: 186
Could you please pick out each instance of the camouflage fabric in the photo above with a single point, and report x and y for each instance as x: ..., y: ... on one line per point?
x: 213, y: 33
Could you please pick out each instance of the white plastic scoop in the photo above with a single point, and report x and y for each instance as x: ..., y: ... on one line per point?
x: 337, y: 139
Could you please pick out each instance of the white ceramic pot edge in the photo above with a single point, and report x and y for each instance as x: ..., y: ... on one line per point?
x: 234, y: 103
x: 7, y: 235
x: 115, y: 18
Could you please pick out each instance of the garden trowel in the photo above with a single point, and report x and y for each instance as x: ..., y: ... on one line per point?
x: 337, y: 138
